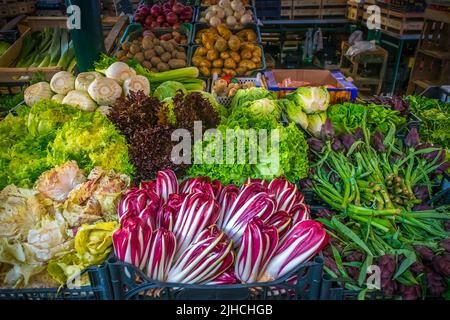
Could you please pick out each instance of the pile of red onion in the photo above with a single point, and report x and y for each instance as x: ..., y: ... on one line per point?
x: 169, y: 14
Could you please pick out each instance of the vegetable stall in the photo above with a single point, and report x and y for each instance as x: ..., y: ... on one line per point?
x: 93, y: 191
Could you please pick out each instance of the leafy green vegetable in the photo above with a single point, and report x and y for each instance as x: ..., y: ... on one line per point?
x: 248, y: 95
x: 435, y: 119
x: 347, y: 117
x: 93, y: 242
x: 311, y: 99
x: 49, y: 134
x: 292, y: 149
x: 168, y: 89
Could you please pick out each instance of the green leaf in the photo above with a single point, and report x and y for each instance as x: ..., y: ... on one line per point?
x: 338, y: 260
x: 350, y: 234
x: 362, y: 294
x: 409, y: 260
x: 363, y: 270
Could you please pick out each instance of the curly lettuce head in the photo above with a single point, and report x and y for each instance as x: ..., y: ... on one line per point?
x: 92, y: 141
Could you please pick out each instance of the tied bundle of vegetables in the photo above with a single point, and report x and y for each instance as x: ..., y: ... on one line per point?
x: 199, y: 227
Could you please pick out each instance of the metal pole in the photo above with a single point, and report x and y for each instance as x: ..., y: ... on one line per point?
x: 397, y: 65
x: 88, y: 39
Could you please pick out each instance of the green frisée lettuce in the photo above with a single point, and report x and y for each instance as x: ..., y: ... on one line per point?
x: 51, y: 133
x: 291, y: 151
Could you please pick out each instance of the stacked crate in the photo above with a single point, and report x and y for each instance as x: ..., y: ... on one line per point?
x: 268, y: 10
x: 432, y: 63
x: 333, y: 9
x: 319, y: 9
x: 355, y: 10
x: 397, y: 20
x: 303, y: 9
x: 12, y: 8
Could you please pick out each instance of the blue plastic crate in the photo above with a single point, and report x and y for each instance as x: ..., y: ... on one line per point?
x: 129, y: 283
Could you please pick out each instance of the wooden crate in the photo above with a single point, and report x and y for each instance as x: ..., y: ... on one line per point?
x: 306, y: 3
x: 10, y: 75
x: 334, y: 3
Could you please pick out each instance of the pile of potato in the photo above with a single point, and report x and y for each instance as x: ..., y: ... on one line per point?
x: 156, y: 53
x: 223, y: 53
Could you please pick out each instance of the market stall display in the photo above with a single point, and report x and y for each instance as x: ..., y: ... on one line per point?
x: 116, y: 178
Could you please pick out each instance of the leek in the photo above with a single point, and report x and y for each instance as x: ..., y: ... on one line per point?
x: 175, y: 75
x: 54, y: 51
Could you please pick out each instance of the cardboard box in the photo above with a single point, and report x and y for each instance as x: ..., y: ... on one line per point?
x: 341, y: 90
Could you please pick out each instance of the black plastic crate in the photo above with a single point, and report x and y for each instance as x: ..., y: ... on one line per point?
x: 129, y: 283
x: 333, y: 289
x: 99, y: 289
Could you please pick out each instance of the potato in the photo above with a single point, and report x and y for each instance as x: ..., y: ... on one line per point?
x: 124, y: 59
x: 200, y: 51
x: 256, y: 60
x: 166, y: 56
x: 126, y: 46
x: 205, y: 63
x: 150, y: 53
x: 257, y: 52
x: 212, y: 55
x: 234, y: 43
x: 235, y: 56
x: 246, y: 54
x: 139, y: 57
x: 241, y: 70
x: 196, y: 61
x: 249, y: 46
x: 156, y: 41
x: 155, y: 60
x: 147, y: 43
x: 205, y: 71
x: 121, y: 53
x: 134, y: 48
x: 177, y: 63
x: 247, y: 64
x: 224, y: 31
x: 217, y: 71
x: 146, y: 64
x: 221, y: 45
x: 230, y: 72
x: 180, y: 49
x: 218, y: 63
x: 167, y: 46
x: 159, y: 50
x: 224, y: 55
x: 180, y: 55
x: 130, y: 55
x: 229, y: 63
x: 247, y: 35
x: 135, y: 41
x: 163, y: 67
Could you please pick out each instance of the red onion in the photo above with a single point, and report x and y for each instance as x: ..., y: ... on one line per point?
x: 155, y: 10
